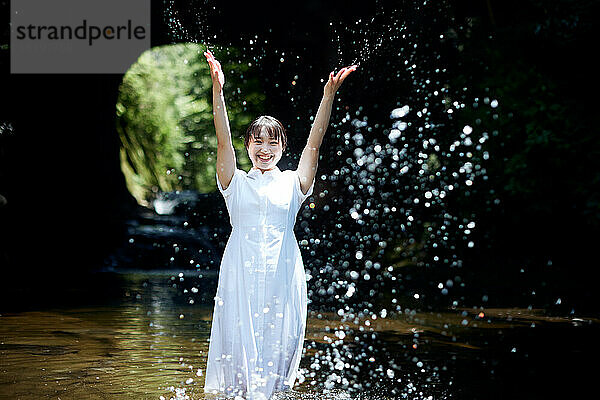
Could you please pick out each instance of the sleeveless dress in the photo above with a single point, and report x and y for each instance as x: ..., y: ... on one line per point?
x: 260, y: 309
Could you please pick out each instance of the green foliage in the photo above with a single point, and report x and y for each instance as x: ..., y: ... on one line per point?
x: 165, y: 121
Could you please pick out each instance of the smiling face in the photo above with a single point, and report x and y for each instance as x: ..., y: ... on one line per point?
x: 264, y: 151
x: 265, y: 141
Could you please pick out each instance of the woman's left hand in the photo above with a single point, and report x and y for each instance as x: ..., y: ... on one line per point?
x: 335, y: 81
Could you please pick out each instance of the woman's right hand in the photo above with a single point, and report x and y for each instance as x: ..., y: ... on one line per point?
x: 216, y: 72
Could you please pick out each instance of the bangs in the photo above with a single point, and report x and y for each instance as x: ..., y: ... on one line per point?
x: 272, y: 132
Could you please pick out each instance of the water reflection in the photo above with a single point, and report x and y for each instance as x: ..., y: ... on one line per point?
x: 154, y: 341
x: 136, y: 349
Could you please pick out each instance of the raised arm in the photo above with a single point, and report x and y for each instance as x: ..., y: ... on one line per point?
x: 307, y: 167
x: 225, y: 154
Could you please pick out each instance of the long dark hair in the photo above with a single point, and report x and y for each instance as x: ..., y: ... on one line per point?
x: 274, y: 128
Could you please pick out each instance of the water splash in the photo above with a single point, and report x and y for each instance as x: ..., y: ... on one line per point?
x: 397, y: 201
x: 366, y: 35
x: 390, y: 207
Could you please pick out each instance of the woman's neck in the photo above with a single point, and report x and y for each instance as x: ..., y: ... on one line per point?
x: 263, y: 170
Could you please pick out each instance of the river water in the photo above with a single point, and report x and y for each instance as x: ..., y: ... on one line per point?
x: 144, y: 334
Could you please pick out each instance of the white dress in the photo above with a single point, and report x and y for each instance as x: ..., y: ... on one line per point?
x: 260, y: 310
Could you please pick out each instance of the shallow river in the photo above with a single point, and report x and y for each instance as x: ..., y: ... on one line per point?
x: 141, y: 338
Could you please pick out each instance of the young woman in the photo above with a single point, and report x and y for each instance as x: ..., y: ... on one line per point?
x: 260, y: 311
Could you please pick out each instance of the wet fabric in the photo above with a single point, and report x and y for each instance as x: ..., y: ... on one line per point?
x: 260, y: 309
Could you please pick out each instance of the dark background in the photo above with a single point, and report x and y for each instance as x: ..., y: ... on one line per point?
x: 67, y: 201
